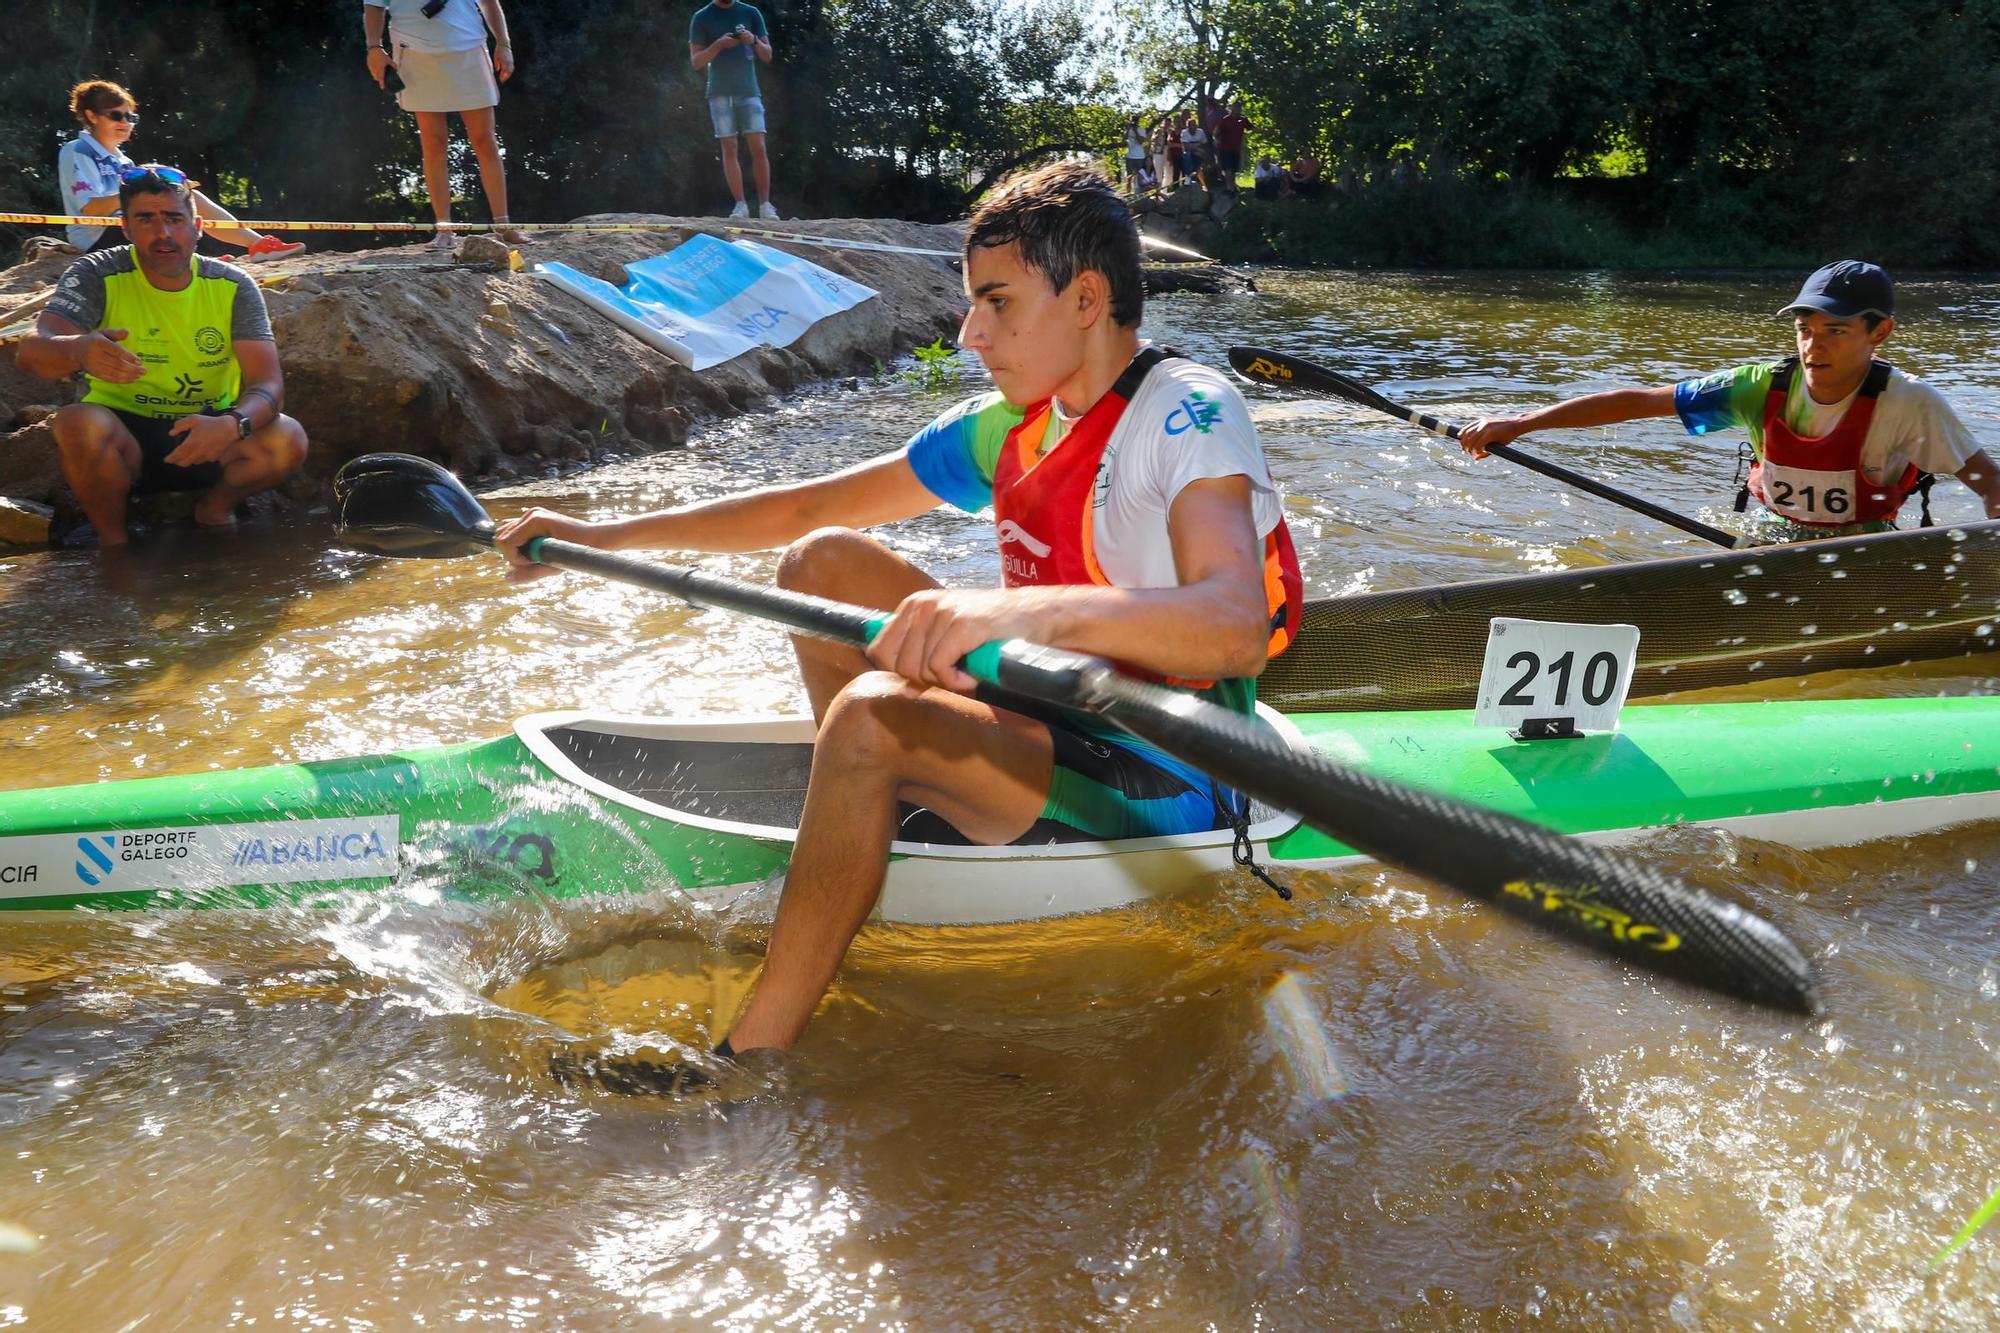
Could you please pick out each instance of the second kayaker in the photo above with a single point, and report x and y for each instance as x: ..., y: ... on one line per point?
x: 1136, y: 519
x: 1841, y: 437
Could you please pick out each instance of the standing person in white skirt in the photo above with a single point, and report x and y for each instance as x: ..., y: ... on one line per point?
x: 438, y: 55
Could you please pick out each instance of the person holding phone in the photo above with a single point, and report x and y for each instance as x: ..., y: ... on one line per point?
x: 727, y: 38
x: 438, y: 55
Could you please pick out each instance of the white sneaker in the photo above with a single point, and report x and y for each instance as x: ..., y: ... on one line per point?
x: 742, y: 210
x: 768, y: 213
x: 445, y: 242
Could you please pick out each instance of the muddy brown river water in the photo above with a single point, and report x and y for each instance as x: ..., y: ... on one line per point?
x: 1373, y: 1106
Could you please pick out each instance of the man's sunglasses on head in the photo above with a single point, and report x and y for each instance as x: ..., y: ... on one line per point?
x: 165, y: 175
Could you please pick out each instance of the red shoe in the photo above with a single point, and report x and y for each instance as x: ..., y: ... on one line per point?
x: 270, y: 247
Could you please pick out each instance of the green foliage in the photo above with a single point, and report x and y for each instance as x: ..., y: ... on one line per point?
x: 1856, y: 130
x: 937, y: 367
x: 873, y: 111
x: 1459, y: 222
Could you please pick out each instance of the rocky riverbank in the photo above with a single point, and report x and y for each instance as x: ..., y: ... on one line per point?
x: 497, y: 373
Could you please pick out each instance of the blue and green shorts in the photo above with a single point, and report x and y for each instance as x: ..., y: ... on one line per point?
x: 1114, y: 787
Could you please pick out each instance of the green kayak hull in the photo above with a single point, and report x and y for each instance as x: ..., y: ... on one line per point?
x: 573, y: 805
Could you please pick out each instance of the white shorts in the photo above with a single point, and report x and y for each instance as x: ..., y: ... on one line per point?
x: 446, y: 81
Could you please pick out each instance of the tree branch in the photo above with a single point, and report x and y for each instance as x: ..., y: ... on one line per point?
x: 1025, y: 155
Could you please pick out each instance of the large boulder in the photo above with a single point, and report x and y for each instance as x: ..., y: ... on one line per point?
x: 498, y: 373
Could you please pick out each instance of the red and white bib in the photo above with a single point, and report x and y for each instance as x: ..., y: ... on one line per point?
x: 1042, y: 508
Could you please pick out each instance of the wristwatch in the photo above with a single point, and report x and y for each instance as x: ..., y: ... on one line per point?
x: 243, y: 427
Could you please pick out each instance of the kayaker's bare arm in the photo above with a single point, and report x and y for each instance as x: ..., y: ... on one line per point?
x: 1596, y: 409
x: 1983, y: 477
x: 1214, y: 624
x: 58, y: 349
x: 881, y: 490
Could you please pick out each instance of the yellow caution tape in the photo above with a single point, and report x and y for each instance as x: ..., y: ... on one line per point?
x: 252, y: 224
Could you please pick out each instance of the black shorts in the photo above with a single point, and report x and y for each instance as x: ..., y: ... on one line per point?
x: 155, y: 472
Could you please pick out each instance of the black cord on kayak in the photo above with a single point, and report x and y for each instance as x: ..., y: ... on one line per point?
x: 1244, y: 852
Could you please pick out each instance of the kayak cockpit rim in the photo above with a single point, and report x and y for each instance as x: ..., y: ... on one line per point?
x: 542, y: 734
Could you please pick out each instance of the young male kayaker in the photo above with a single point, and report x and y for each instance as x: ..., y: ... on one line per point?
x: 1136, y: 520
x: 185, y: 389
x: 1841, y: 437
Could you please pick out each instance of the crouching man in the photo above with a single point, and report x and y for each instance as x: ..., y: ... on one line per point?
x: 185, y: 387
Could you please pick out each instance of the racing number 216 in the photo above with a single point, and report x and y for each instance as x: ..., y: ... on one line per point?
x: 1600, y: 678
x: 1832, y: 500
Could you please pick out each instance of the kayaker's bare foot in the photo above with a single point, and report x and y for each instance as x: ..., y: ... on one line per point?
x: 513, y: 236
x: 628, y: 1077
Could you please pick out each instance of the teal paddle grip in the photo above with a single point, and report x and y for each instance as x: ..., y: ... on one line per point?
x: 983, y: 662
x: 533, y: 549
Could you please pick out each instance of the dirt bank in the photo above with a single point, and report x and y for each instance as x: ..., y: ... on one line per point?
x: 499, y: 374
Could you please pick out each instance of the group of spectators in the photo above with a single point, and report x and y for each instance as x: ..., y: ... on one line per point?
x: 1207, y: 147
x: 1301, y: 180
x: 438, y: 58
x: 1204, y: 146
x: 185, y: 390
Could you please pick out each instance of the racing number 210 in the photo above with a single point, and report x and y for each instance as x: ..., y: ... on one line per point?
x: 1600, y: 678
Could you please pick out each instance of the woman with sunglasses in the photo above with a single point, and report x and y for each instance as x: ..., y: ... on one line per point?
x: 91, y: 166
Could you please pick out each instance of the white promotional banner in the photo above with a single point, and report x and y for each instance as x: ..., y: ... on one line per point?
x: 198, y: 856
x: 709, y: 300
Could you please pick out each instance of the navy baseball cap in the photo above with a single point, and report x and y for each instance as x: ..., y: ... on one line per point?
x: 1846, y: 290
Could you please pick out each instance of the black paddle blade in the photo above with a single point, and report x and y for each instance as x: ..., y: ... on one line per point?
x: 1262, y: 365
x: 402, y: 505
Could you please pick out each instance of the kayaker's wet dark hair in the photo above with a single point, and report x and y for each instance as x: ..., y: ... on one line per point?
x: 1066, y: 218
x: 97, y: 96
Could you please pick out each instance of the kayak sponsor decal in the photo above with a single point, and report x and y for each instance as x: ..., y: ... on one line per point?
x: 533, y: 852
x: 1578, y: 906
x: 199, y: 856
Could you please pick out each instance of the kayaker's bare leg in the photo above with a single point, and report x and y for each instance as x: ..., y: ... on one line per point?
x: 100, y: 461
x: 881, y: 740
x: 250, y: 467
x: 851, y: 567
x: 884, y: 740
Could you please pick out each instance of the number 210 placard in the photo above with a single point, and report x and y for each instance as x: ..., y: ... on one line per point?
x: 1546, y: 669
